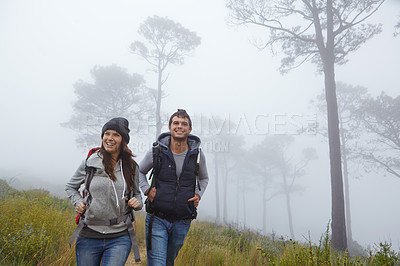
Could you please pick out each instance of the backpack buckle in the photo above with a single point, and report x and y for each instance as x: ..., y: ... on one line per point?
x: 113, y: 221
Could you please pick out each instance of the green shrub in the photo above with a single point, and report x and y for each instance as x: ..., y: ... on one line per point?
x: 35, y: 227
x: 384, y: 255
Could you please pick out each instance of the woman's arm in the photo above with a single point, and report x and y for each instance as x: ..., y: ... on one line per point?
x: 72, y: 187
x: 136, y: 191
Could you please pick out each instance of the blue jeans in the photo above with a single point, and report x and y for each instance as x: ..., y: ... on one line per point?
x: 108, y: 251
x: 166, y: 240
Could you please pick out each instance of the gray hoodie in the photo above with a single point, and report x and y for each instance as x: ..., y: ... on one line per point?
x: 108, y: 197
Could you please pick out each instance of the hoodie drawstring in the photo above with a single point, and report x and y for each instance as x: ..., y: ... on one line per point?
x: 123, y: 180
x: 115, y: 192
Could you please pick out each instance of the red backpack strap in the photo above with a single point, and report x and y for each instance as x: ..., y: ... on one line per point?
x: 93, y: 150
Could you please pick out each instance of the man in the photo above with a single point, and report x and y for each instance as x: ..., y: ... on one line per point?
x: 179, y: 180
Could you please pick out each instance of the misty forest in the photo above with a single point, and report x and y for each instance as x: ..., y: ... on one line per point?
x: 297, y: 105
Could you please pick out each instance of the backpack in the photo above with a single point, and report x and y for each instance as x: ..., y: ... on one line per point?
x: 128, y: 218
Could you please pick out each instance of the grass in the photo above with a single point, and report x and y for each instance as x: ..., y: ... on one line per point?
x: 36, y: 227
x: 211, y: 244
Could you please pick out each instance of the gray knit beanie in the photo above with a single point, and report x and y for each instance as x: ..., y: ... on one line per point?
x: 119, y: 124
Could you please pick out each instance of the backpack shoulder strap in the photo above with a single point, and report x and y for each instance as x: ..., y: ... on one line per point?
x: 89, y: 170
x: 92, y: 150
x: 197, y: 168
x: 197, y: 165
x: 156, y: 165
x: 88, y: 178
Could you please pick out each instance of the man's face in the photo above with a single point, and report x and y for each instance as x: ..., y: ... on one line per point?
x: 180, y: 128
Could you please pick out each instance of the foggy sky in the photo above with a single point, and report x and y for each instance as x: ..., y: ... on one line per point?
x: 46, y: 46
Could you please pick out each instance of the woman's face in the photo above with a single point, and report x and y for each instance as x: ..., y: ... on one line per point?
x: 112, y: 141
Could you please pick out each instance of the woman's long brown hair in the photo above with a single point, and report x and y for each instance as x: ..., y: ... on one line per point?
x: 128, y: 164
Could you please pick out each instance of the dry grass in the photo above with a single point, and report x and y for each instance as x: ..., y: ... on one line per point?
x: 36, y: 227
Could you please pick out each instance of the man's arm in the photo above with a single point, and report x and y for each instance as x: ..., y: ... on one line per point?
x: 144, y: 167
x: 203, y: 180
x: 203, y: 175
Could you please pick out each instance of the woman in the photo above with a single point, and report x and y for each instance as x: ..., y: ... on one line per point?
x: 105, y: 227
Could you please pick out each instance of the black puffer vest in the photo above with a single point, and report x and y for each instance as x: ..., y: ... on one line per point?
x: 174, y: 191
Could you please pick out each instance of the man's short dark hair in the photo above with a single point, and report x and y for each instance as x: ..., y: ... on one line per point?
x: 182, y: 114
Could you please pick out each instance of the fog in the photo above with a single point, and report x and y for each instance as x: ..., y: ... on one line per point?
x: 47, y: 46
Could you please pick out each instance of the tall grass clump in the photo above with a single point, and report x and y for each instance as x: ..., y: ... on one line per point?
x: 212, y: 244
x: 384, y: 255
x: 35, y: 228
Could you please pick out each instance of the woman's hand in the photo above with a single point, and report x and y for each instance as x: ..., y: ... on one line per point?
x: 80, y: 208
x: 134, y: 203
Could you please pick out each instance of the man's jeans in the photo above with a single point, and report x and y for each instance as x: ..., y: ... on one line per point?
x: 166, y: 241
x: 110, y: 251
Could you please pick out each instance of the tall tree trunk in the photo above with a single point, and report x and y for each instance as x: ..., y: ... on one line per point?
x: 339, y: 240
x: 264, y: 201
x: 237, y: 201
x: 158, y: 103
x: 225, y: 186
x: 217, y: 202
x: 346, y: 187
x: 289, y: 209
x: 244, y: 203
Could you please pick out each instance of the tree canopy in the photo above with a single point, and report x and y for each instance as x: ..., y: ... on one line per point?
x: 300, y: 28
x: 350, y: 99
x: 113, y: 93
x: 381, y: 117
x: 167, y: 42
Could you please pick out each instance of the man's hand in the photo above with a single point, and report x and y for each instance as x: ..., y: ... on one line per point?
x: 151, y: 194
x: 196, y: 200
